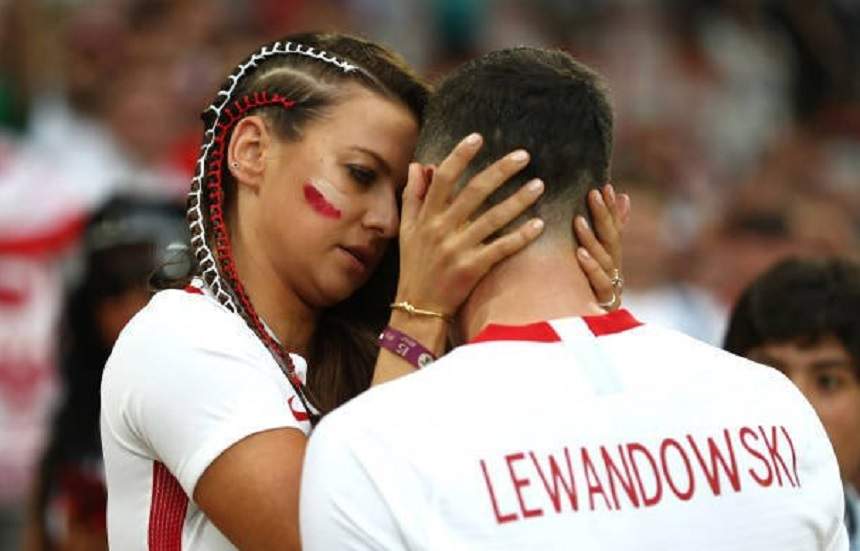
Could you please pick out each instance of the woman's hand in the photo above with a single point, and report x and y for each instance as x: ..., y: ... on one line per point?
x: 443, y: 252
x: 600, y: 256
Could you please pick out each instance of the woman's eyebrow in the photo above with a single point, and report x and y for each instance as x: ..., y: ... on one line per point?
x: 378, y: 158
x: 830, y: 363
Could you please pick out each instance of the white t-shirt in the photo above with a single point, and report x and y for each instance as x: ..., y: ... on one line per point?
x: 186, y: 380
x: 580, y: 433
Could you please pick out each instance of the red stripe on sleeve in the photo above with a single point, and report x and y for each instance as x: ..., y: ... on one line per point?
x: 167, y: 511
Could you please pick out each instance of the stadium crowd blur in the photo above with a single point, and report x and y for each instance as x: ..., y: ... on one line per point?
x: 738, y: 138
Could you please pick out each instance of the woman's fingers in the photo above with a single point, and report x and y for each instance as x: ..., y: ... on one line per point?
x: 502, y: 214
x: 605, y: 227
x: 506, y: 245
x: 624, y: 208
x: 611, y: 201
x: 449, y: 171
x: 599, y: 279
x: 473, y: 195
x: 413, y: 193
x: 589, y: 241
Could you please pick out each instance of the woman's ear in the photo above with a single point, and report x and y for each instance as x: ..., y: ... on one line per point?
x: 246, y: 152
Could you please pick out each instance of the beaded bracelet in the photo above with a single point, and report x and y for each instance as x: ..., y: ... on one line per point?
x: 406, y: 347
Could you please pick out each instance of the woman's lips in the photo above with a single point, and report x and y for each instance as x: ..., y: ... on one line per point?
x: 360, y: 254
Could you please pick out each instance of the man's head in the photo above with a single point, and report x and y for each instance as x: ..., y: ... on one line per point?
x: 540, y: 100
x: 803, y: 318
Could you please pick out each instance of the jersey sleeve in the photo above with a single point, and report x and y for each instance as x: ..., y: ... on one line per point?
x: 341, y: 505
x: 183, y: 402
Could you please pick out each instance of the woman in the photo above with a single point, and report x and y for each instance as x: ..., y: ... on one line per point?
x: 292, y: 214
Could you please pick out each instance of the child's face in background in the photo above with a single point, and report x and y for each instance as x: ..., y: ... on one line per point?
x: 827, y: 375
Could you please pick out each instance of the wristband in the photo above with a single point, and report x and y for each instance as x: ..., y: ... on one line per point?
x: 406, y: 347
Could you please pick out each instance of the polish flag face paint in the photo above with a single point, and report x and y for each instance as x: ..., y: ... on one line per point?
x: 319, y: 203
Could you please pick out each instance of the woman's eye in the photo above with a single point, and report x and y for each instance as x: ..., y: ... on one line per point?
x: 361, y: 175
x: 829, y: 382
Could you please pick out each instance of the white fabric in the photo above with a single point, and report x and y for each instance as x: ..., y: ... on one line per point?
x: 186, y: 380
x: 460, y: 455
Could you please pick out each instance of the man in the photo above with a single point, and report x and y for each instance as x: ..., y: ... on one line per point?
x: 802, y: 317
x: 587, y: 431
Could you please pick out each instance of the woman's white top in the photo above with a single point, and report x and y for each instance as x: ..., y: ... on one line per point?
x: 187, y: 379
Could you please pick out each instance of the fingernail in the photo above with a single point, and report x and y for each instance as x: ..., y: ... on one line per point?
x: 537, y: 224
x: 583, y: 253
x: 598, y: 197
x: 520, y: 156
x: 473, y: 139
x: 535, y: 186
x: 583, y: 223
x: 611, y: 190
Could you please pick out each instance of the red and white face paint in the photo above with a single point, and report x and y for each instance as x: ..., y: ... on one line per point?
x: 324, y: 198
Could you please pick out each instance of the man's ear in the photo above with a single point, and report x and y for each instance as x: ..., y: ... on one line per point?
x: 246, y: 152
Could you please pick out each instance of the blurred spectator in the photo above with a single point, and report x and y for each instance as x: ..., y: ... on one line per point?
x: 123, y: 244
x: 656, y: 265
x: 802, y: 317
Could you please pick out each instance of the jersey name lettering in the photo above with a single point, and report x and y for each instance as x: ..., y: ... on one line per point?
x: 526, y: 484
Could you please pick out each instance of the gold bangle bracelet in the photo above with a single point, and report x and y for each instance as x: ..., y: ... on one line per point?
x: 407, y: 307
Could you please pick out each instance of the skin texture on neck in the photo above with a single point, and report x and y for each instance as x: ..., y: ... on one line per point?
x: 542, y: 282
x: 292, y: 320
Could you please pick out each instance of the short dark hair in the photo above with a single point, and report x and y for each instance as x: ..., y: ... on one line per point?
x: 799, y: 300
x: 541, y: 100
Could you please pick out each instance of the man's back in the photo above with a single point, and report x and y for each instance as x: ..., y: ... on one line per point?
x: 594, y: 433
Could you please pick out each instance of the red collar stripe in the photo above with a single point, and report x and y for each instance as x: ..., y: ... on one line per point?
x: 193, y: 290
x: 535, y: 332
x: 608, y: 324
x: 611, y: 323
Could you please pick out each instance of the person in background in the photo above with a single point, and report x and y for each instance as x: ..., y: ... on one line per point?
x: 802, y: 317
x: 125, y: 242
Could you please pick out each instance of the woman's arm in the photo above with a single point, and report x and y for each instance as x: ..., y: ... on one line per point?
x: 251, y: 491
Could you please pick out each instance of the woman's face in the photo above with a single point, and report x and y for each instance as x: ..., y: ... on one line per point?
x: 329, y: 201
x: 825, y: 373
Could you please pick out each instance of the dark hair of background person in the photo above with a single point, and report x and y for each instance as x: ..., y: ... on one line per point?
x: 343, y: 349
x: 540, y: 100
x: 801, y: 300
x: 123, y: 244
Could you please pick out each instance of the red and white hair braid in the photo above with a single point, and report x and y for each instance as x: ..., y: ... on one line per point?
x: 206, y: 199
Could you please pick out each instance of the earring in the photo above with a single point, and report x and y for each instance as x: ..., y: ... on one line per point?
x: 234, y: 164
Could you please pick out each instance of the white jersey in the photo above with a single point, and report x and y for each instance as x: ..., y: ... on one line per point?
x: 594, y: 433
x: 186, y: 380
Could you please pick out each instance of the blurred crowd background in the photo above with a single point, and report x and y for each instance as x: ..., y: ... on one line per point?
x: 738, y: 138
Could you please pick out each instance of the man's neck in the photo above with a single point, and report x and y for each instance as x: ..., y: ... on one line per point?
x: 542, y: 282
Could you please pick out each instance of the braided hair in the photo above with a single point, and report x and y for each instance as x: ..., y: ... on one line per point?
x: 289, y: 83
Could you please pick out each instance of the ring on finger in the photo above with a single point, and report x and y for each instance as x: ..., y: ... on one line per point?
x: 611, y: 304
x: 617, y: 279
